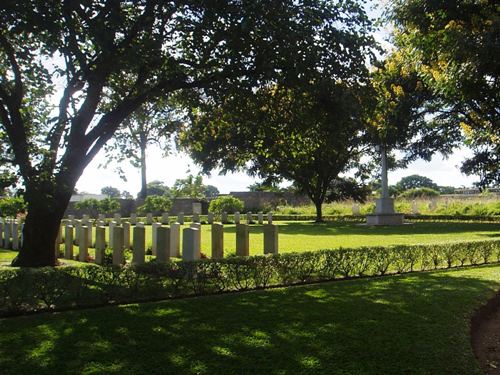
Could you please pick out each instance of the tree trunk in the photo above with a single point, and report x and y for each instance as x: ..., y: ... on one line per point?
x: 144, y: 185
x: 41, y: 228
x: 319, y: 210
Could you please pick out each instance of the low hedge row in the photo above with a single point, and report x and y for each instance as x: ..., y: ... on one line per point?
x: 27, y: 290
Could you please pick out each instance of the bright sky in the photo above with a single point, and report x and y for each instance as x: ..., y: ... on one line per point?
x: 443, y: 172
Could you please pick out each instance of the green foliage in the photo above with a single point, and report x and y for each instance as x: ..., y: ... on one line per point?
x: 7, y: 179
x: 452, y: 46
x: 211, y: 191
x: 423, y: 192
x: 11, y: 206
x: 190, y: 187
x: 109, y: 205
x: 101, y: 61
x: 308, y: 135
x: 150, y: 124
x: 156, y: 203
x: 89, y: 204
x: 415, y: 181
x: 60, y: 287
x: 158, y: 188
x: 226, y: 203
x: 111, y: 192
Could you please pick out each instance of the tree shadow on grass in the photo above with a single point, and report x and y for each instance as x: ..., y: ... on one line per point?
x: 410, y: 324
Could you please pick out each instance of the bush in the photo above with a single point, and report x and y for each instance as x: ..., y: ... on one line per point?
x: 156, y: 203
x: 91, y: 204
x: 227, y: 204
x: 11, y: 206
x: 23, y: 290
x: 419, y: 193
x: 109, y: 205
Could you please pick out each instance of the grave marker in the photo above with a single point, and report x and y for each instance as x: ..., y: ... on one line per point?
x: 242, y: 240
x: 83, y: 245
x: 139, y: 245
x: 118, y: 255
x: 217, y: 241
x: 68, y: 242
x: 175, y: 240
x: 100, y: 244
x: 270, y: 239
x: 190, y: 244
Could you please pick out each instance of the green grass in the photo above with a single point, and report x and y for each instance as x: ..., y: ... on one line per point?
x: 309, y: 236
x: 413, y: 324
x: 466, y: 205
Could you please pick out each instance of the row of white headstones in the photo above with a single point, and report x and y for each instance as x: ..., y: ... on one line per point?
x: 165, y: 239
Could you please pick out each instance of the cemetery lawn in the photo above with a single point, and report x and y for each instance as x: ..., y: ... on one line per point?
x: 308, y: 236
x: 412, y: 324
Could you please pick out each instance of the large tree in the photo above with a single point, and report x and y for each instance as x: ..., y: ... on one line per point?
x: 150, y: 124
x: 72, y: 71
x: 308, y: 136
x: 453, y: 47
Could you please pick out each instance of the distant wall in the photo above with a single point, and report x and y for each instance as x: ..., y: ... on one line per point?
x: 261, y: 200
x: 129, y: 206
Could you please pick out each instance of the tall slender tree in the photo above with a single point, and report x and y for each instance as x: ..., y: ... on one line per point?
x: 150, y: 124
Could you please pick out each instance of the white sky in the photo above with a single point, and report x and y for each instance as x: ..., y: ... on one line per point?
x: 443, y: 172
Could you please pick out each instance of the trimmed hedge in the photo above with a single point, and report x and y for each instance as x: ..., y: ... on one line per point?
x: 29, y: 290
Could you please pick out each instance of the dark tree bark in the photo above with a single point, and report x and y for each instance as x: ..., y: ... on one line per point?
x: 319, y: 210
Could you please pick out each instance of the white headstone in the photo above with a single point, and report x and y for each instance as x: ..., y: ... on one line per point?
x: 162, y: 244
x: 237, y: 218
x: 126, y: 234
x: 210, y: 218
x: 83, y: 245
x: 118, y: 255
x: 242, y: 240
x: 133, y: 219
x: 165, y: 218
x: 270, y: 239
x: 180, y: 218
x: 154, y: 228
x: 217, y: 241
x: 175, y: 240
x: 270, y: 218
x: 190, y: 244
x: 139, y: 245
x: 100, y: 244
x: 260, y: 218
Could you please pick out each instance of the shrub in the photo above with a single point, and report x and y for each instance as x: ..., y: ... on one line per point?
x: 91, y: 204
x: 23, y: 290
x: 227, y: 204
x: 156, y: 203
x: 419, y: 193
x: 109, y: 205
x: 11, y: 206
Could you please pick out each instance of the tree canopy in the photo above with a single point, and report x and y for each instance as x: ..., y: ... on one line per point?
x: 453, y: 48
x: 71, y: 72
x: 150, y: 124
x: 307, y: 136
